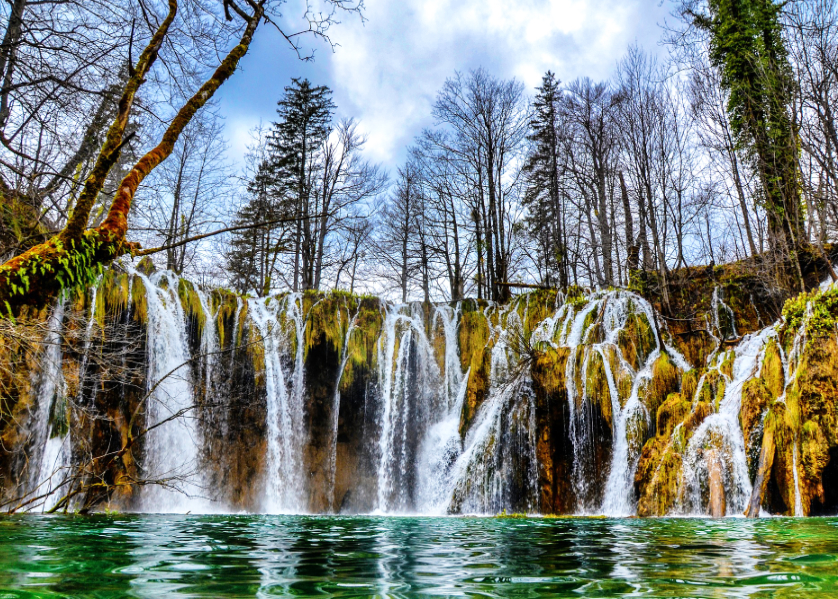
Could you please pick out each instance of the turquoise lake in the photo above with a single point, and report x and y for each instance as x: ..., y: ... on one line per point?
x: 321, y: 556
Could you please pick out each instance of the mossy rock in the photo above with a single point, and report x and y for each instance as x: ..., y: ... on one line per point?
x: 666, y: 379
x: 473, y: 334
x: 712, y: 389
x: 689, y: 384
x: 701, y: 410
x: 772, y: 372
x: 756, y: 398
x: 139, y: 301
x: 191, y: 304
x: 596, y: 387
x: 814, y: 457
x: 726, y: 366
x: 636, y: 339
x: 658, y: 478
x: 549, y: 369
x: 671, y: 413
x: 816, y: 386
x: 541, y: 304
x: 477, y: 387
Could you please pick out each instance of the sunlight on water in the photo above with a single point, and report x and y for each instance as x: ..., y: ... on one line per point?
x: 275, y: 556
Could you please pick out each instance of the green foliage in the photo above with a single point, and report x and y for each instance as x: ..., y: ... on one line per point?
x: 746, y: 44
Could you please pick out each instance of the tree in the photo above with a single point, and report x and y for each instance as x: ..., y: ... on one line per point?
x: 747, y: 46
x: 487, y: 121
x: 397, y: 232
x: 76, y: 254
x: 544, y: 171
x: 185, y: 195
x: 254, y: 248
x: 305, y: 122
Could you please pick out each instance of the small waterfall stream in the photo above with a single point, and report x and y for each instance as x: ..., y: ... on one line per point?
x: 50, y: 440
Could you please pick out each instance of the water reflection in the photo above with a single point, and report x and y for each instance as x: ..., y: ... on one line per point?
x: 280, y: 556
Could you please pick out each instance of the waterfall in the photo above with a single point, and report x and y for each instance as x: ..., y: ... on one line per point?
x: 48, y: 468
x: 720, y: 435
x: 173, y: 441
x: 420, y: 429
x: 333, y: 441
x: 725, y: 326
x: 412, y: 401
x: 285, y: 486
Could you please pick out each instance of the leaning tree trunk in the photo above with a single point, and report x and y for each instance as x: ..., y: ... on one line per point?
x: 75, y: 256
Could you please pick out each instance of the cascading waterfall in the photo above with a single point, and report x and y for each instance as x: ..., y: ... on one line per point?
x: 422, y: 432
x: 496, y: 468
x: 442, y: 445
x: 173, y: 441
x: 719, y: 437
x: 618, y: 489
x: 285, y: 430
x: 412, y: 402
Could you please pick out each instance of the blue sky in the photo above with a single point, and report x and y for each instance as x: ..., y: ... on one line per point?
x: 386, y: 71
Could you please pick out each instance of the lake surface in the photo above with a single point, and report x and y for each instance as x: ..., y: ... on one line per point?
x: 300, y: 556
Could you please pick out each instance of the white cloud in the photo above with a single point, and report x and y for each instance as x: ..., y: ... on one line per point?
x: 388, y: 70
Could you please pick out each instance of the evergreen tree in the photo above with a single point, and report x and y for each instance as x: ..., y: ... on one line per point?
x: 253, y: 253
x: 305, y: 117
x: 543, y: 198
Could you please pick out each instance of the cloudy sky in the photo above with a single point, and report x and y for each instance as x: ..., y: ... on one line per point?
x: 387, y: 70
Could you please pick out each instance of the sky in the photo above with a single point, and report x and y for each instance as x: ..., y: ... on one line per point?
x: 386, y: 70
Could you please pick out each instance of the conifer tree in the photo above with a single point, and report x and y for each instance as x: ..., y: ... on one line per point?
x: 543, y: 196
x: 305, y: 117
x: 254, y: 250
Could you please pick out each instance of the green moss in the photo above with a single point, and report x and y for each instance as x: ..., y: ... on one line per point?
x: 473, y: 334
x: 821, y: 322
x: 576, y: 297
x: 772, y: 372
x: 658, y: 478
x: 596, y: 387
x: 712, y: 389
x: 361, y: 352
x: 139, y: 301
x: 666, y: 379
x: 814, y: 453
x: 726, y: 367
x: 224, y: 304
x: 689, y: 384
x: 541, y: 304
x: 548, y: 369
x: 671, y: 413
x: 636, y: 339
x: 590, y: 318
x: 191, y: 303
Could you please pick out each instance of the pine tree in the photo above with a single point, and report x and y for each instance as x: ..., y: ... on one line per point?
x: 305, y: 117
x: 252, y: 257
x: 543, y: 198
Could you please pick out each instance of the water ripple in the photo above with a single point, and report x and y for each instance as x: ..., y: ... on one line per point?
x: 281, y: 556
